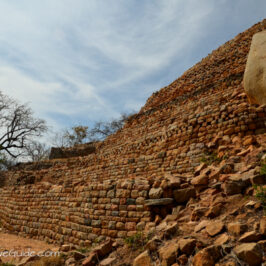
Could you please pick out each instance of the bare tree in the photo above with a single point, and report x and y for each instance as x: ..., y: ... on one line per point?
x: 58, y: 139
x: 37, y: 151
x: 6, y: 161
x: 81, y: 134
x: 17, y: 126
x: 103, y: 129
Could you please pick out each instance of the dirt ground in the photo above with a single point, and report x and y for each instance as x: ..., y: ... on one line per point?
x: 18, y: 246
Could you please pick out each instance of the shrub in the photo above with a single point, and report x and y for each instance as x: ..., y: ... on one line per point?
x: 137, y: 241
x: 83, y: 250
x: 263, y: 169
x: 210, y: 158
x: 261, y: 196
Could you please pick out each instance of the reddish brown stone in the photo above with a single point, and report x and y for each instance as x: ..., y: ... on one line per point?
x: 215, y: 227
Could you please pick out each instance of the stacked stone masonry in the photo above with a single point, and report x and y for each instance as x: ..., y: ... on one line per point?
x: 103, y: 193
x: 76, y: 214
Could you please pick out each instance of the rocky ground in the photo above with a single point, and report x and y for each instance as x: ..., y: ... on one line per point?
x: 218, y: 217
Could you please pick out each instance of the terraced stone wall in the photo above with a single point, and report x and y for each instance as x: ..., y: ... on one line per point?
x: 74, y: 199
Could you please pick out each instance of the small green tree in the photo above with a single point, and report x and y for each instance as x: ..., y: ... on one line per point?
x: 81, y: 134
x: 70, y: 137
x: 77, y: 135
x: 101, y: 130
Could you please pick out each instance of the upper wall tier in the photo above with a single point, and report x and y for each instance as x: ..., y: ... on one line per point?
x: 171, y: 131
x: 218, y: 69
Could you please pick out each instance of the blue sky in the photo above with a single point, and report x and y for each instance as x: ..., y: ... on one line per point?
x: 80, y: 61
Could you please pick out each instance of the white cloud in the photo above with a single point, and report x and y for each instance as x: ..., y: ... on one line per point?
x: 39, y: 95
x: 51, y: 98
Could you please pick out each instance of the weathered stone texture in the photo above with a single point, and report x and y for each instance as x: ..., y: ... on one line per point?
x: 77, y: 150
x: 60, y: 214
x: 255, y: 73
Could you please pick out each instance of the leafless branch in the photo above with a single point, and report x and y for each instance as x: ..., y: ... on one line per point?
x: 18, y: 126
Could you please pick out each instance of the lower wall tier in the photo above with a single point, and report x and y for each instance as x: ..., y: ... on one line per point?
x: 76, y: 215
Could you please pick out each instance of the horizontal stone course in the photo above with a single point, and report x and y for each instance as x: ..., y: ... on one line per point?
x: 39, y: 212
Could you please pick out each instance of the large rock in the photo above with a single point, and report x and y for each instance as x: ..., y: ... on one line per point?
x: 207, y: 256
x: 91, y: 260
x: 158, y: 202
x: 255, y: 72
x: 65, y: 248
x: 233, y: 187
x: 249, y: 253
x: 108, y: 262
x: 98, y: 252
x: 155, y: 193
x: 199, y: 168
x: 173, y: 181
x: 170, y: 230
x: 187, y: 245
x: 78, y: 255
x: 143, y: 259
x: 252, y: 236
x: 197, y: 213
x: 236, y: 228
x: 263, y: 225
x: 184, y: 194
x: 153, y: 244
x: 200, y: 180
x: 222, y: 239
x: 214, y: 227
x: 201, y: 225
x: 104, y: 249
x: 214, y: 210
x: 168, y: 254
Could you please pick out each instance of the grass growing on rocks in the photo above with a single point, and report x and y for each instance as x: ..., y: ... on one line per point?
x: 137, y: 241
x: 260, y: 190
x: 209, y: 158
x: 263, y: 169
x: 261, y: 196
x: 83, y: 250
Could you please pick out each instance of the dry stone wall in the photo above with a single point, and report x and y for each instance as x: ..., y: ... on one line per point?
x: 75, y: 199
x: 76, y: 214
x: 218, y: 69
x: 77, y: 150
